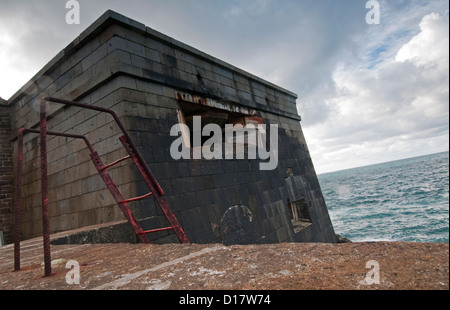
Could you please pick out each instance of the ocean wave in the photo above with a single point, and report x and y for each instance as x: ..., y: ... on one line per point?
x: 406, y: 200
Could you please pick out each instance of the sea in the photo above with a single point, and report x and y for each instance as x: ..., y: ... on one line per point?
x: 403, y: 200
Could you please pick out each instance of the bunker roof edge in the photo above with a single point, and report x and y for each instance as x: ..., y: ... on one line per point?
x: 111, y: 17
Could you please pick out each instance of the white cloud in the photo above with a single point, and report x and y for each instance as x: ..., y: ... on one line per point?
x: 430, y: 46
x: 30, y: 36
x: 400, y: 106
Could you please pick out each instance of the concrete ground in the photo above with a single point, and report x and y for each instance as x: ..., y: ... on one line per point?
x: 285, y: 266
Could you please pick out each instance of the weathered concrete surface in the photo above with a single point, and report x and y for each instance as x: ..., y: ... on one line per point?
x: 215, y: 266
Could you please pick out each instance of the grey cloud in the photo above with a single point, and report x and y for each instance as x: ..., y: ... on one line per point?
x: 351, y: 91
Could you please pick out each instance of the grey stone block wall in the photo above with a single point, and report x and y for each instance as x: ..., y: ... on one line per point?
x: 6, y: 173
x: 120, y: 64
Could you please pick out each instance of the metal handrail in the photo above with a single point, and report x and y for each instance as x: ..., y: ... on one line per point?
x: 119, y: 124
x: 18, y: 198
x: 135, y: 155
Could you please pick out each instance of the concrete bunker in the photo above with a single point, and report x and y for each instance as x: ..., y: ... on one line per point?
x: 120, y: 64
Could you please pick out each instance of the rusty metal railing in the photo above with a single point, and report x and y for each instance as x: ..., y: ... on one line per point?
x: 137, y: 158
x: 18, y: 196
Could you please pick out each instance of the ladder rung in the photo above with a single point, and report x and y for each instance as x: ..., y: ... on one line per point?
x: 115, y: 162
x: 154, y: 230
x: 137, y: 198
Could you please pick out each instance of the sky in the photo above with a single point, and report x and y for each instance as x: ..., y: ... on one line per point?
x: 367, y: 92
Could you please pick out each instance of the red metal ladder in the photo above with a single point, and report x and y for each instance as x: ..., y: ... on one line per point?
x: 155, y: 191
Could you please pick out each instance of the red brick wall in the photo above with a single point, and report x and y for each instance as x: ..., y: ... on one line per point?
x: 6, y: 174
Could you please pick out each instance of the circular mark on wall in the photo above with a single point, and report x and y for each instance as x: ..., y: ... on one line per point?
x: 237, y: 226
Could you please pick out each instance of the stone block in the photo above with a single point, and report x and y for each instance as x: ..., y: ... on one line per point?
x: 221, y: 199
x: 160, y: 154
x: 223, y: 180
x: 223, y: 72
x: 149, y: 88
x: 94, y: 57
x: 205, y: 197
x: 195, y: 167
x: 120, y: 43
x: 68, y: 221
x: 184, y: 185
x: 208, y: 182
x: 182, y: 168
x: 165, y: 171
